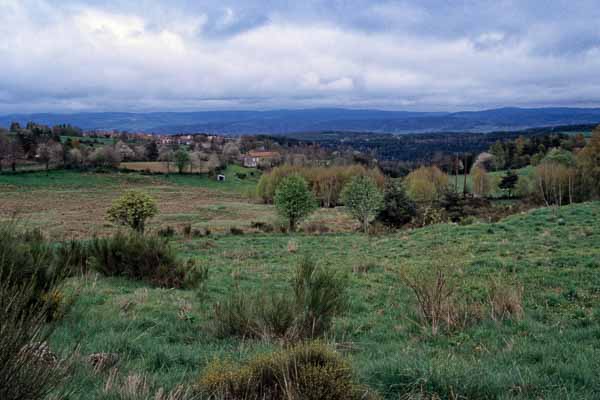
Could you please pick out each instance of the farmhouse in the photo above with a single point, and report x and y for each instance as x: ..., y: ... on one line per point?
x: 255, y: 158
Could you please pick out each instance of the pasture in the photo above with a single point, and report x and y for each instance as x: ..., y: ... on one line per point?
x: 551, y: 353
x: 166, y: 335
x: 71, y: 204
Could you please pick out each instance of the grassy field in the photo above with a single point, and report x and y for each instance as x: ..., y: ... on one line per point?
x: 70, y: 204
x: 552, y: 353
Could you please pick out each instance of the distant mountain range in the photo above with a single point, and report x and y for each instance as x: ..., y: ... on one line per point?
x: 316, y: 120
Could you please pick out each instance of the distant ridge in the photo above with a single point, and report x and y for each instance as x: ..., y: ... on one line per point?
x: 315, y: 120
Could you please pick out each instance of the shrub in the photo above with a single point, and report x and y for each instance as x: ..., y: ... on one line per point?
x: 201, y: 232
x: 398, y: 209
x: 72, y: 257
x: 234, y: 230
x: 28, y: 370
x: 262, y: 226
x: 133, y: 209
x: 307, y: 372
x: 234, y: 316
x: 187, y: 230
x: 315, y: 228
x: 318, y: 296
x: 430, y: 216
x: 25, y: 256
x: 505, y: 300
x: 293, y: 200
x: 443, y: 305
x: 166, y: 232
x: 138, y: 257
x: 362, y: 199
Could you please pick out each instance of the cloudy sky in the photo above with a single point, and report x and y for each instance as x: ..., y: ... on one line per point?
x: 430, y: 55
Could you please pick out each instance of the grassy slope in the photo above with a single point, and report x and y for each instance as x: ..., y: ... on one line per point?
x: 554, y: 353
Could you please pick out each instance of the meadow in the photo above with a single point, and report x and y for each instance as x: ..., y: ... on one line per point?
x: 552, y: 351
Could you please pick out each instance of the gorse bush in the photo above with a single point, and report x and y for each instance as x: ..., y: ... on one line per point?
x: 138, y: 257
x: 28, y: 370
x: 304, y: 372
x: 72, y: 257
x: 319, y: 295
x: 25, y: 256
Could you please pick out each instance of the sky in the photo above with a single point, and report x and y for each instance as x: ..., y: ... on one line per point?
x: 184, y: 55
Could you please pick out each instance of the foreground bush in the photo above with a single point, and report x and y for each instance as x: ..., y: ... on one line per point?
x: 72, y: 257
x: 138, y: 257
x: 26, y: 257
x: 319, y: 295
x: 28, y: 370
x: 307, y: 372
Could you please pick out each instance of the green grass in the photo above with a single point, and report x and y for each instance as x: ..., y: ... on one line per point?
x: 553, y: 353
x: 231, y: 182
x: 88, y: 140
x: 75, y: 179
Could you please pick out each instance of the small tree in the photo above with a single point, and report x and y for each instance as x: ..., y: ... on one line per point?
x: 152, y: 152
x: 294, y: 200
x: 482, y: 183
x: 182, y: 160
x: 133, y: 209
x: 363, y: 199
x: 398, y: 209
x: 426, y: 184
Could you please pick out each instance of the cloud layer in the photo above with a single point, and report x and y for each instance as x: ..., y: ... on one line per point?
x: 67, y: 55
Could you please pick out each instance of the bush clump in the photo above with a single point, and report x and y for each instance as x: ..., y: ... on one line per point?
x: 25, y: 256
x: 72, y: 257
x: 306, y: 371
x: 138, y: 257
x: 28, y: 370
x: 319, y: 295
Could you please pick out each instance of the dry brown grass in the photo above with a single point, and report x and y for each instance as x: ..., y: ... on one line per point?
x: 65, y: 212
x: 155, y: 166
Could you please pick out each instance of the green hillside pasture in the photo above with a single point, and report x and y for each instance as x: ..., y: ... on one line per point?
x: 552, y: 353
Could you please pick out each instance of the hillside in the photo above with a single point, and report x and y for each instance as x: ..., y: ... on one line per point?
x: 549, y: 350
x: 551, y: 353
x: 316, y: 120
